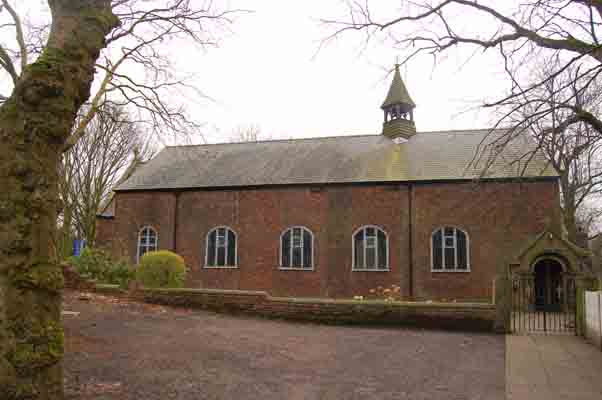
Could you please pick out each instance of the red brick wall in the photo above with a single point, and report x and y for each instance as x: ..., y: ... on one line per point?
x: 104, y: 232
x: 496, y: 216
x: 135, y: 210
x: 260, y: 216
x: 104, y: 228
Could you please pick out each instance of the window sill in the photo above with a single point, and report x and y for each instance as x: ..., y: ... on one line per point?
x: 295, y: 269
x: 452, y: 271
x: 369, y: 270
x: 221, y: 267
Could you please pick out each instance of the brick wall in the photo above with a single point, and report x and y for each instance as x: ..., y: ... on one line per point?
x: 459, y: 316
x: 133, y: 211
x: 496, y: 216
x: 104, y: 232
x: 260, y: 216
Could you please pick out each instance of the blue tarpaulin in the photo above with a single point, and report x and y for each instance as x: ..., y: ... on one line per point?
x: 78, y: 246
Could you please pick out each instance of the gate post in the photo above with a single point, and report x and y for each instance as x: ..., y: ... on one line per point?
x: 582, y: 284
x: 503, y: 301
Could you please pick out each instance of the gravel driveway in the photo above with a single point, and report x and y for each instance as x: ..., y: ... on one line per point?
x: 125, y: 350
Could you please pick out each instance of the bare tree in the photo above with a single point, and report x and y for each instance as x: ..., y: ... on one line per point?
x: 573, y: 148
x: 247, y: 133
x: 90, y: 169
x: 559, y: 109
x: 36, y: 127
x: 136, y: 68
x: 567, y: 30
x: 35, y: 122
x: 588, y: 216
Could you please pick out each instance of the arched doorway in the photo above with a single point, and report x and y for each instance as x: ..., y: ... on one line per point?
x: 544, y: 297
x: 548, y: 285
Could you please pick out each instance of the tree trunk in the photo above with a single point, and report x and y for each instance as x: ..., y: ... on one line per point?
x: 569, y: 211
x: 35, y: 122
x: 65, y: 236
x: 570, y: 223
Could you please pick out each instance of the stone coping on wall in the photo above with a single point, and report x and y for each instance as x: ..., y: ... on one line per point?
x: 421, y: 314
x: 322, y: 300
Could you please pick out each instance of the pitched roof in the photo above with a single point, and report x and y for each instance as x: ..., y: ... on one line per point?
x: 398, y: 93
x: 472, y: 154
x: 343, y: 159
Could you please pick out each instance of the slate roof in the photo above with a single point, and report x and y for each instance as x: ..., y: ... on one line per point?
x: 427, y: 156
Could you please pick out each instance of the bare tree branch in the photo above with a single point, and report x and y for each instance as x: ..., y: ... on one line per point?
x: 111, y: 144
x: 158, y: 96
x: 6, y: 63
x: 248, y: 133
x: 550, y: 52
x: 19, y: 33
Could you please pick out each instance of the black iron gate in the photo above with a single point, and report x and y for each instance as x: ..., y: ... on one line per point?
x: 544, y: 303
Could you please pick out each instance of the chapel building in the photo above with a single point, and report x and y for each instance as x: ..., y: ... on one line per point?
x: 431, y: 212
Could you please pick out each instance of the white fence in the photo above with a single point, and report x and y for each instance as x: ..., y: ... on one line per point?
x: 593, y: 317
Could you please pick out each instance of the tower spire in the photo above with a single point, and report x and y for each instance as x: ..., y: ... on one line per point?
x: 398, y: 110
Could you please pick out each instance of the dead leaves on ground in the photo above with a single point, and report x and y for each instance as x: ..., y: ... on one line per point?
x: 123, y: 303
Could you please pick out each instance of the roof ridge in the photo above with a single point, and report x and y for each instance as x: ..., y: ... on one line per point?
x: 333, y: 137
x: 276, y: 140
x: 462, y: 130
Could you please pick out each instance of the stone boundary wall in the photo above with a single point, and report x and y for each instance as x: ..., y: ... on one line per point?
x: 593, y: 317
x: 449, y: 316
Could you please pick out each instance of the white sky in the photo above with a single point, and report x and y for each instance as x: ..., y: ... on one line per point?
x: 266, y: 72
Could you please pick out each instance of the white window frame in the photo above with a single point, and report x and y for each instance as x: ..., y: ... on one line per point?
x: 227, y: 228
x: 139, y: 243
x: 364, y: 269
x: 313, y: 249
x: 455, y: 247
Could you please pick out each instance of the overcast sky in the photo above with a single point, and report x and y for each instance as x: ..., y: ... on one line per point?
x: 268, y: 72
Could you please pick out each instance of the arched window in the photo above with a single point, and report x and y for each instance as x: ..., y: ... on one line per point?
x: 296, y: 248
x: 221, y: 248
x: 147, y: 241
x: 450, y: 250
x: 370, y: 249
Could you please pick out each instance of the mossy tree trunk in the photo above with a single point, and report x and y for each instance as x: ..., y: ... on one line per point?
x: 35, y: 122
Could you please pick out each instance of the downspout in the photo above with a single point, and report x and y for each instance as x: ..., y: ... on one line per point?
x: 175, y: 223
x: 411, y: 240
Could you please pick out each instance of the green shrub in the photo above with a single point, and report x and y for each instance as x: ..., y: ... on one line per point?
x: 120, y: 273
x: 161, y: 269
x: 98, y: 265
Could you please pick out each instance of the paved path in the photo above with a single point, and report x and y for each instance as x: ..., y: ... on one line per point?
x: 552, y: 367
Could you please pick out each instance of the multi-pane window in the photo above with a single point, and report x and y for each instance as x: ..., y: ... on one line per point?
x: 147, y: 241
x: 296, y: 248
x: 449, y: 250
x: 221, y: 248
x: 370, y: 249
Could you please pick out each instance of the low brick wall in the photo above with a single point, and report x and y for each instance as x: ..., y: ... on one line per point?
x: 108, y: 289
x: 449, y: 316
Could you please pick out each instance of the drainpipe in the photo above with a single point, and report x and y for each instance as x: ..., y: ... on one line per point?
x: 175, y: 222
x: 411, y: 240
